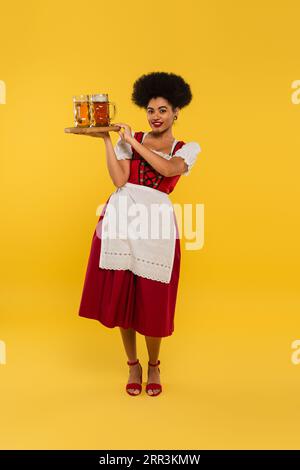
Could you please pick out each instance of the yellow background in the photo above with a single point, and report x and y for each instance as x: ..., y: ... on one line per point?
x: 227, y: 375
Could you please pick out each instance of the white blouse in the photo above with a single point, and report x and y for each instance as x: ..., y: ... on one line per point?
x: 188, y: 151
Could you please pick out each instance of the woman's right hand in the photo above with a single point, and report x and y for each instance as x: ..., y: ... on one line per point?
x: 126, y: 135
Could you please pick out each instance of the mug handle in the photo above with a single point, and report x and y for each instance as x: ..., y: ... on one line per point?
x: 111, y: 103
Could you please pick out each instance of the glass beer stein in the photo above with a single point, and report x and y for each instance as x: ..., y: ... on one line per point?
x: 81, y: 109
x: 100, y: 114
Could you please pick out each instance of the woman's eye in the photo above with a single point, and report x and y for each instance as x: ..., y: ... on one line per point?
x: 161, y: 110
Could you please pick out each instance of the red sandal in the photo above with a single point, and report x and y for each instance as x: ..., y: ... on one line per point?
x: 152, y: 385
x: 136, y: 386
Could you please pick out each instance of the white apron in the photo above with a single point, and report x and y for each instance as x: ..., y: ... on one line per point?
x: 138, y: 232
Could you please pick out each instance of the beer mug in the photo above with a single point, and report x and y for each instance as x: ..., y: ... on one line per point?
x: 81, y: 110
x: 100, y: 114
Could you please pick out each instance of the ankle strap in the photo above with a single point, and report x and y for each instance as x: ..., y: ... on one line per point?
x: 157, y: 364
x: 132, y: 363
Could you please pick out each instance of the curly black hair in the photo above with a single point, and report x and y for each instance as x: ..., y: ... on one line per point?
x: 167, y: 85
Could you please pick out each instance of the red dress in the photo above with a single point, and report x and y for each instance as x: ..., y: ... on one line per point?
x: 120, y: 297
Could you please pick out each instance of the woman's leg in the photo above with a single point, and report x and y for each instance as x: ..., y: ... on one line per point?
x: 153, y: 345
x: 129, y: 341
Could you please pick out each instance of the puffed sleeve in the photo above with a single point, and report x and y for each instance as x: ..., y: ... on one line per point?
x: 188, y: 152
x: 123, y: 149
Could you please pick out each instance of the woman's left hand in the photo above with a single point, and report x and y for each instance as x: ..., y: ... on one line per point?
x: 127, y: 131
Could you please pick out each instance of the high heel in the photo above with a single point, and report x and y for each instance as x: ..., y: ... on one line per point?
x: 135, y: 386
x: 152, y: 385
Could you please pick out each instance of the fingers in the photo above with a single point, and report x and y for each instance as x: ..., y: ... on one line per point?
x: 121, y: 124
x: 121, y: 134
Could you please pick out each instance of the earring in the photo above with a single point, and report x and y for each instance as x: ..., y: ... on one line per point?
x: 175, y: 117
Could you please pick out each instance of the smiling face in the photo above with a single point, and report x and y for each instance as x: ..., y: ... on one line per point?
x: 160, y: 110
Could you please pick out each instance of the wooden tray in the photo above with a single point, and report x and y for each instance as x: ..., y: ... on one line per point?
x: 91, y: 130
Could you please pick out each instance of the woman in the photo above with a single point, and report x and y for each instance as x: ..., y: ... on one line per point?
x: 144, y: 166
